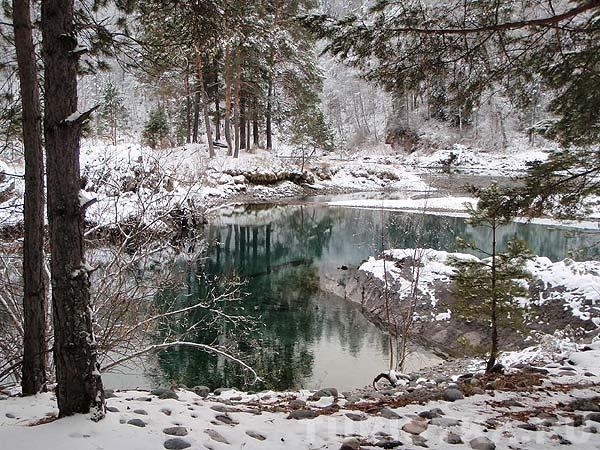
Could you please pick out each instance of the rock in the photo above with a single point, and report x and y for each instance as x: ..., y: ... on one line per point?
x: 465, y: 376
x: 141, y: 412
x: 201, y: 391
x: 325, y: 392
x: 453, y: 439
x: 226, y: 419
x: 219, y: 391
x: 388, y: 444
x: 109, y: 393
x: 255, y: 435
x: 141, y: 399
x: 112, y: 409
x: 169, y: 395
x: 432, y: 413
x: 420, y: 441
x: 561, y: 440
x: 165, y: 411
x: 10, y: 416
x: 297, y: 404
x: 389, y: 414
x: 566, y: 373
x: 176, y: 444
x: 591, y: 429
x: 589, y: 374
x: 224, y: 409
x: 159, y: 391
x: 356, y: 417
x: 594, y: 417
x: 453, y: 394
x: 584, y: 404
x: 528, y: 426
x: 476, y: 390
x: 350, y: 444
x: 567, y: 368
x: 415, y: 427
x: 137, y: 423
x: 482, y: 443
x: 444, y: 422
x: 216, y: 436
x: 300, y: 414
x: 176, y: 431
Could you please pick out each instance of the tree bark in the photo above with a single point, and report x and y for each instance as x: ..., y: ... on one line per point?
x: 196, y: 120
x: 255, y: 132
x: 228, y: 82
x: 188, y: 107
x: 236, y: 105
x: 243, y: 123
x: 216, y: 99
x: 268, y: 130
x: 77, y: 371
x: 200, y: 76
x: 35, y: 306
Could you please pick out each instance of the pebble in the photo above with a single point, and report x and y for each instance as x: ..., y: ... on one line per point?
x: 356, y: 417
x: 166, y: 411
x: 219, y: 391
x: 112, y: 409
x: 444, y: 422
x: 583, y: 404
x: 389, y: 414
x: 350, y: 444
x: 594, y: 417
x: 325, y: 392
x: 216, y: 436
x: 175, y: 431
x: 389, y: 444
x: 432, y: 413
x: 226, y: 419
x: 255, y: 435
x: 528, y: 426
x: 453, y: 394
x: 176, y: 444
x: 415, y: 427
x: 453, y: 439
x: 109, y: 393
x: 224, y: 409
x: 10, y: 416
x: 300, y: 414
x: 137, y: 423
x: 201, y: 391
x: 141, y: 412
x: 482, y: 443
x: 419, y: 441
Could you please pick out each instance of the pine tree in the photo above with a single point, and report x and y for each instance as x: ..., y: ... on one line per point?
x: 112, y: 112
x: 489, y: 288
x: 156, y: 129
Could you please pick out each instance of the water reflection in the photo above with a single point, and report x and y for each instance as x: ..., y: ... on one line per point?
x: 305, y: 337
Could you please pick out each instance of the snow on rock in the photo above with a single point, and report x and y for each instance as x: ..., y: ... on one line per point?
x: 574, y: 285
x: 449, y: 203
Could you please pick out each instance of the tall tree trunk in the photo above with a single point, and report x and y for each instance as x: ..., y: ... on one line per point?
x: 79, y: 383
x: 200, y: 76
x: 216, y: 99
x: 248, y: 130
x: 188, y: 107
x: 243, y: 123
x: 34, y: 298
x: 268, y: 130
x: 494, y: 320
x: 255, y: 132
x: 228, y: 82
x: 196, y: 120
x: 236, y: 105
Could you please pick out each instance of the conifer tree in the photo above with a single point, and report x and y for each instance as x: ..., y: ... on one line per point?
x: 488, y: 289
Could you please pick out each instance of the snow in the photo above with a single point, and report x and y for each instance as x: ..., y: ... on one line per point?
x: 266, y: 413
x: 575, y: 285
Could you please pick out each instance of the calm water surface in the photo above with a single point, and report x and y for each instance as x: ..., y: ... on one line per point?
x: 306, y: 337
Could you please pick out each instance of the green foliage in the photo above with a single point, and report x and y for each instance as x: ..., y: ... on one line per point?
x: 489, y: 289
x: 112, y: 112
x: 156, y: 129
x: 475, y: 288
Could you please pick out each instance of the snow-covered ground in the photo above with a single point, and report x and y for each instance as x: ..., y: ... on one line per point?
x: 574, y: 286
x: 550, y: 399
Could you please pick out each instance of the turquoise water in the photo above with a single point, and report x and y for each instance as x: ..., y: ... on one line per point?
x: 305, y: 337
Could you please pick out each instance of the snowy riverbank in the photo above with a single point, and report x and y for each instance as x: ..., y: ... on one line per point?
x: 550, y: 397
